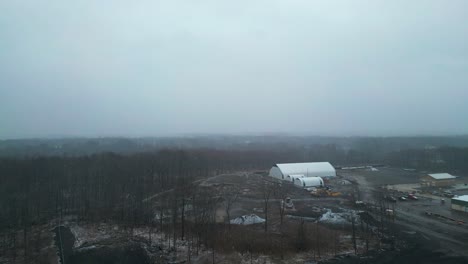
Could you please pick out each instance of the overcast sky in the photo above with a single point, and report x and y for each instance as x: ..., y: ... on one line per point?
x: 142, y: 68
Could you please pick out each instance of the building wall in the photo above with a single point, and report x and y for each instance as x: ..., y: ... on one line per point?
x: 429, y: 181
x: 442, y: 183
x: 275, y: 172
x: 294, y: 178
x: 459, y: 207
x: 426, y: 181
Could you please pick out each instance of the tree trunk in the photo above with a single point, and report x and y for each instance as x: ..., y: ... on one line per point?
x: 183, y: 218
x: 354, y: 235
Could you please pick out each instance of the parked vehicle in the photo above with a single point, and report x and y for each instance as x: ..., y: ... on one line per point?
x: 412, y: 197
x: 324, y: 193
x: 360, y: 204
x: 448, y: 194
x: 402, y: 198
x: 389, y: 212
x: 288, y: 203
x: 390, y: 198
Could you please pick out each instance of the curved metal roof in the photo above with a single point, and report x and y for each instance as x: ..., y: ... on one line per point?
x: 293, y: 177
x: 308, y: 169
x: 309, y: 181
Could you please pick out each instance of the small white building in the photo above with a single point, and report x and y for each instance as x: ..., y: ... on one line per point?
x: 308, y: 169
x: 308, y: 182
x: 460, y: 203
x: 438, y: 180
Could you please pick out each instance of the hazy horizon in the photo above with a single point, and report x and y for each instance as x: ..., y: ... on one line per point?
x: 202, y: 135
x: 162, y: 68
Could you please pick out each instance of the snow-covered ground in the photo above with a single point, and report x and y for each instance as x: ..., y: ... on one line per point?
x: 343, y: 218
x: 247, y: 220
x: 90, y: 234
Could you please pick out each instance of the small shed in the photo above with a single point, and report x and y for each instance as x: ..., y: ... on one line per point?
x: 308, y: 182
x: 437, y: 180
x: 460, y: 203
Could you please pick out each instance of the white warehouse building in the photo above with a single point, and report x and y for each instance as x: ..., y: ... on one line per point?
x: 286, y: 171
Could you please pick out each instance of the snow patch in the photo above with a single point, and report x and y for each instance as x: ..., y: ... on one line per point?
x: 339, y: 218
x: 89, y: 233
x: 247, y: 220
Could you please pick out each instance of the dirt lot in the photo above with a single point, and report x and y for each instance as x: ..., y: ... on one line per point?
x: 383, y: 175
x: 251, y: 199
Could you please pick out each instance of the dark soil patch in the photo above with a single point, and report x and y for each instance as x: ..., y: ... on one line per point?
x: 111, y: 255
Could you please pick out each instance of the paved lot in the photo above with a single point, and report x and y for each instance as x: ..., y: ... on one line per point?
x: 451, y: 236
x: 383, y: 175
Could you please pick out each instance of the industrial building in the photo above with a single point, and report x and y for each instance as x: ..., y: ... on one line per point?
x: 285, y: 171
x: 308, y: 182
x: 460, y: 203
x: 437, y: 180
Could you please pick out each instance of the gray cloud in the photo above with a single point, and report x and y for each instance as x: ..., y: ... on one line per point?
x: 170, y: 67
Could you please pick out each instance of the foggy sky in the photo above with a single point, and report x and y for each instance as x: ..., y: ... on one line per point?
x: 149, y: 68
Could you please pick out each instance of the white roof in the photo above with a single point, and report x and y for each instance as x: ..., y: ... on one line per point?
x: 442, y: 176
x: 308, y: 169
x: 311, y: 180
x: 296, y: 175
x: 463, y: 198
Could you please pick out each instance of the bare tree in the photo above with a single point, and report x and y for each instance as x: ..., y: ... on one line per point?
x: 267, y: 190
x: 229, y: 193
x: 281, y: 193
x: 354, y: 234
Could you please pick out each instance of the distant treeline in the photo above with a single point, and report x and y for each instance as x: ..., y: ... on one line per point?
x: 375, y: 146
x: 444, y: 159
